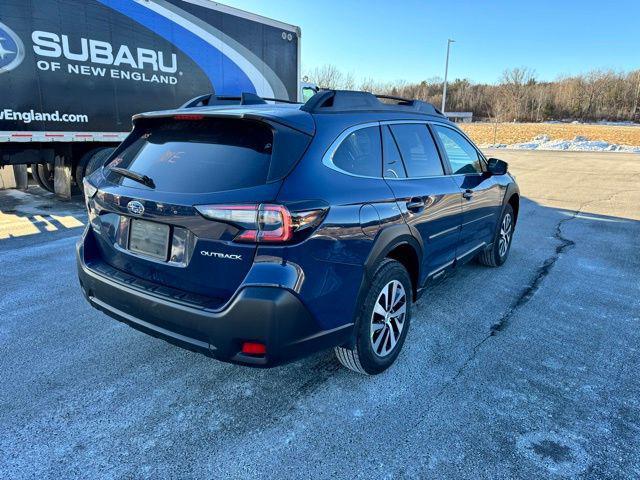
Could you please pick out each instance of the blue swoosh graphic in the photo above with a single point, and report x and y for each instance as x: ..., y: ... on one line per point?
x: 225, y: 76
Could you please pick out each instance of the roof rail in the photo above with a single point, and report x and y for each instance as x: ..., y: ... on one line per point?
x: 245, y: 98
x: 340, y: 101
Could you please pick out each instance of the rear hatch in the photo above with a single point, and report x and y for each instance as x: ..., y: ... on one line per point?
x: 153, y: 229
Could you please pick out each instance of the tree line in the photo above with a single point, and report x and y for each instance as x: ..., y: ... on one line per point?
x: 517, y: 96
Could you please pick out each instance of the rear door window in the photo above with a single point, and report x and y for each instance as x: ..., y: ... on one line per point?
x: 360, y: 153
x: 207, y: 155
x: 393, y: 166
x: 419, y: 152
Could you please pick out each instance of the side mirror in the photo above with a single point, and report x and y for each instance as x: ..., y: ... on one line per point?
x: 497, y: 167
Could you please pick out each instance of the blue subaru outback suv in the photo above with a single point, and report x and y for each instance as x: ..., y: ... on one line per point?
x: 258, y: 233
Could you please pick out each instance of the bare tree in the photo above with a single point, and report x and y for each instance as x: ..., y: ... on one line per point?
x: 326, y: 76
x: 636, y: 97
x: 518, y: 96
x: 515, y: 85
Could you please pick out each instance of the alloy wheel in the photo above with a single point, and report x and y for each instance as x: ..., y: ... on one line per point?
x: 505, y: 235
x: 387, y: 319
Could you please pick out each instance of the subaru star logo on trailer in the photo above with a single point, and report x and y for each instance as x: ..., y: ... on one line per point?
x: 11, y: 49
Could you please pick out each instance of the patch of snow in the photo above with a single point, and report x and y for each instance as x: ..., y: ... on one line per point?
x: 578, y: 144
x: 625, y: 123
x: 622, y: 123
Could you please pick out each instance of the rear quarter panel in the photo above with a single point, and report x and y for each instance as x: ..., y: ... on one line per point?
x: 333, y: 258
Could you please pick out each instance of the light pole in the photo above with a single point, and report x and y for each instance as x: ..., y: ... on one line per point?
x: 446, y: 71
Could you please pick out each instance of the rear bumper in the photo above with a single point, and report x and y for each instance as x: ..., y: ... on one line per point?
x: 270, y: 315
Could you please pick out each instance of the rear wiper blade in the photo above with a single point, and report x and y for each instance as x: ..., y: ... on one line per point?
x: 138, y: 177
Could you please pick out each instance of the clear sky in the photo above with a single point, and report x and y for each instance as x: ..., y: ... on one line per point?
x: 406, y: 39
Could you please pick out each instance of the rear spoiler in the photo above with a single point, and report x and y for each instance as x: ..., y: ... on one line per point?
x: 245, y: 98
x: 295, y: 119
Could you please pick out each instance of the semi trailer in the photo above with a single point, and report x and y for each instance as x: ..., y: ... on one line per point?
x: 73, y: 72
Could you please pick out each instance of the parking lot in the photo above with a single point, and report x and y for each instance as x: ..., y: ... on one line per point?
x: 530, y: 370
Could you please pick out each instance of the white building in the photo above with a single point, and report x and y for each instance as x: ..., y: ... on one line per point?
x: 460, y: 117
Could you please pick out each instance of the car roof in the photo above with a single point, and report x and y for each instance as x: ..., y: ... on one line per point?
x: 342, y: 107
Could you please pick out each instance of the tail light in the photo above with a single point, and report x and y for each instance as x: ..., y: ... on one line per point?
x: 264, y: 223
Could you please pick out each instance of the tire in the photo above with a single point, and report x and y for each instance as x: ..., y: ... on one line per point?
x: 97, y: 160
x: 499, y: 252
x: 36, y: 176
x: 79, y: 172
x: 90, y: 162
x: 374, y: 350
x: 44, y: 176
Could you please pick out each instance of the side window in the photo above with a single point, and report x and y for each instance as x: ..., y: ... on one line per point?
x: 307, y: 93
x: 418, y: 150
x: 463, y: 157
x: 392, y: 162
x: 360, y: 153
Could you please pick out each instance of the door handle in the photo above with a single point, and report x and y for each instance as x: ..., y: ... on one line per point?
x: 415, y: 204
x: 468, y: 194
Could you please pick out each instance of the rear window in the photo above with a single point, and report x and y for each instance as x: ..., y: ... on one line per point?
x: 360, y: 153
x: 199, y: 156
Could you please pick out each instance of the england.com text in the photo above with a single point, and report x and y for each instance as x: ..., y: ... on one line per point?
x: 33, y: 116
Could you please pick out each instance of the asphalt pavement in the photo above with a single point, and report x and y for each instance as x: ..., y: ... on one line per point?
x: 531, y: 370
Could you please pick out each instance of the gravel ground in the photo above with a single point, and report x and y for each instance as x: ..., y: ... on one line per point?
x: 526, y: 371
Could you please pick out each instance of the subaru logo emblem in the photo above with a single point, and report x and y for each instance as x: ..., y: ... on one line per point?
x: 135, y: 207
x: 11, y: 49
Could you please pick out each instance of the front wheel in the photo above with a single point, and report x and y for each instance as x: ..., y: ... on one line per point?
x: 499, y: 251
x: 382, y: 322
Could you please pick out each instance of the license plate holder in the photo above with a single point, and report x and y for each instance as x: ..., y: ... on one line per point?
x: 149, y: 238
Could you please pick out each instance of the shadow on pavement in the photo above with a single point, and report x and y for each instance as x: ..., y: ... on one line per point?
x: 24, y: 214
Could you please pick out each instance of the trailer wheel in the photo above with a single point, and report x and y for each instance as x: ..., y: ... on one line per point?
x: 43, y: 174
x: 98, y: 160
x: 90, y: 162
x: 36, y: 176
x: 82, y: 165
